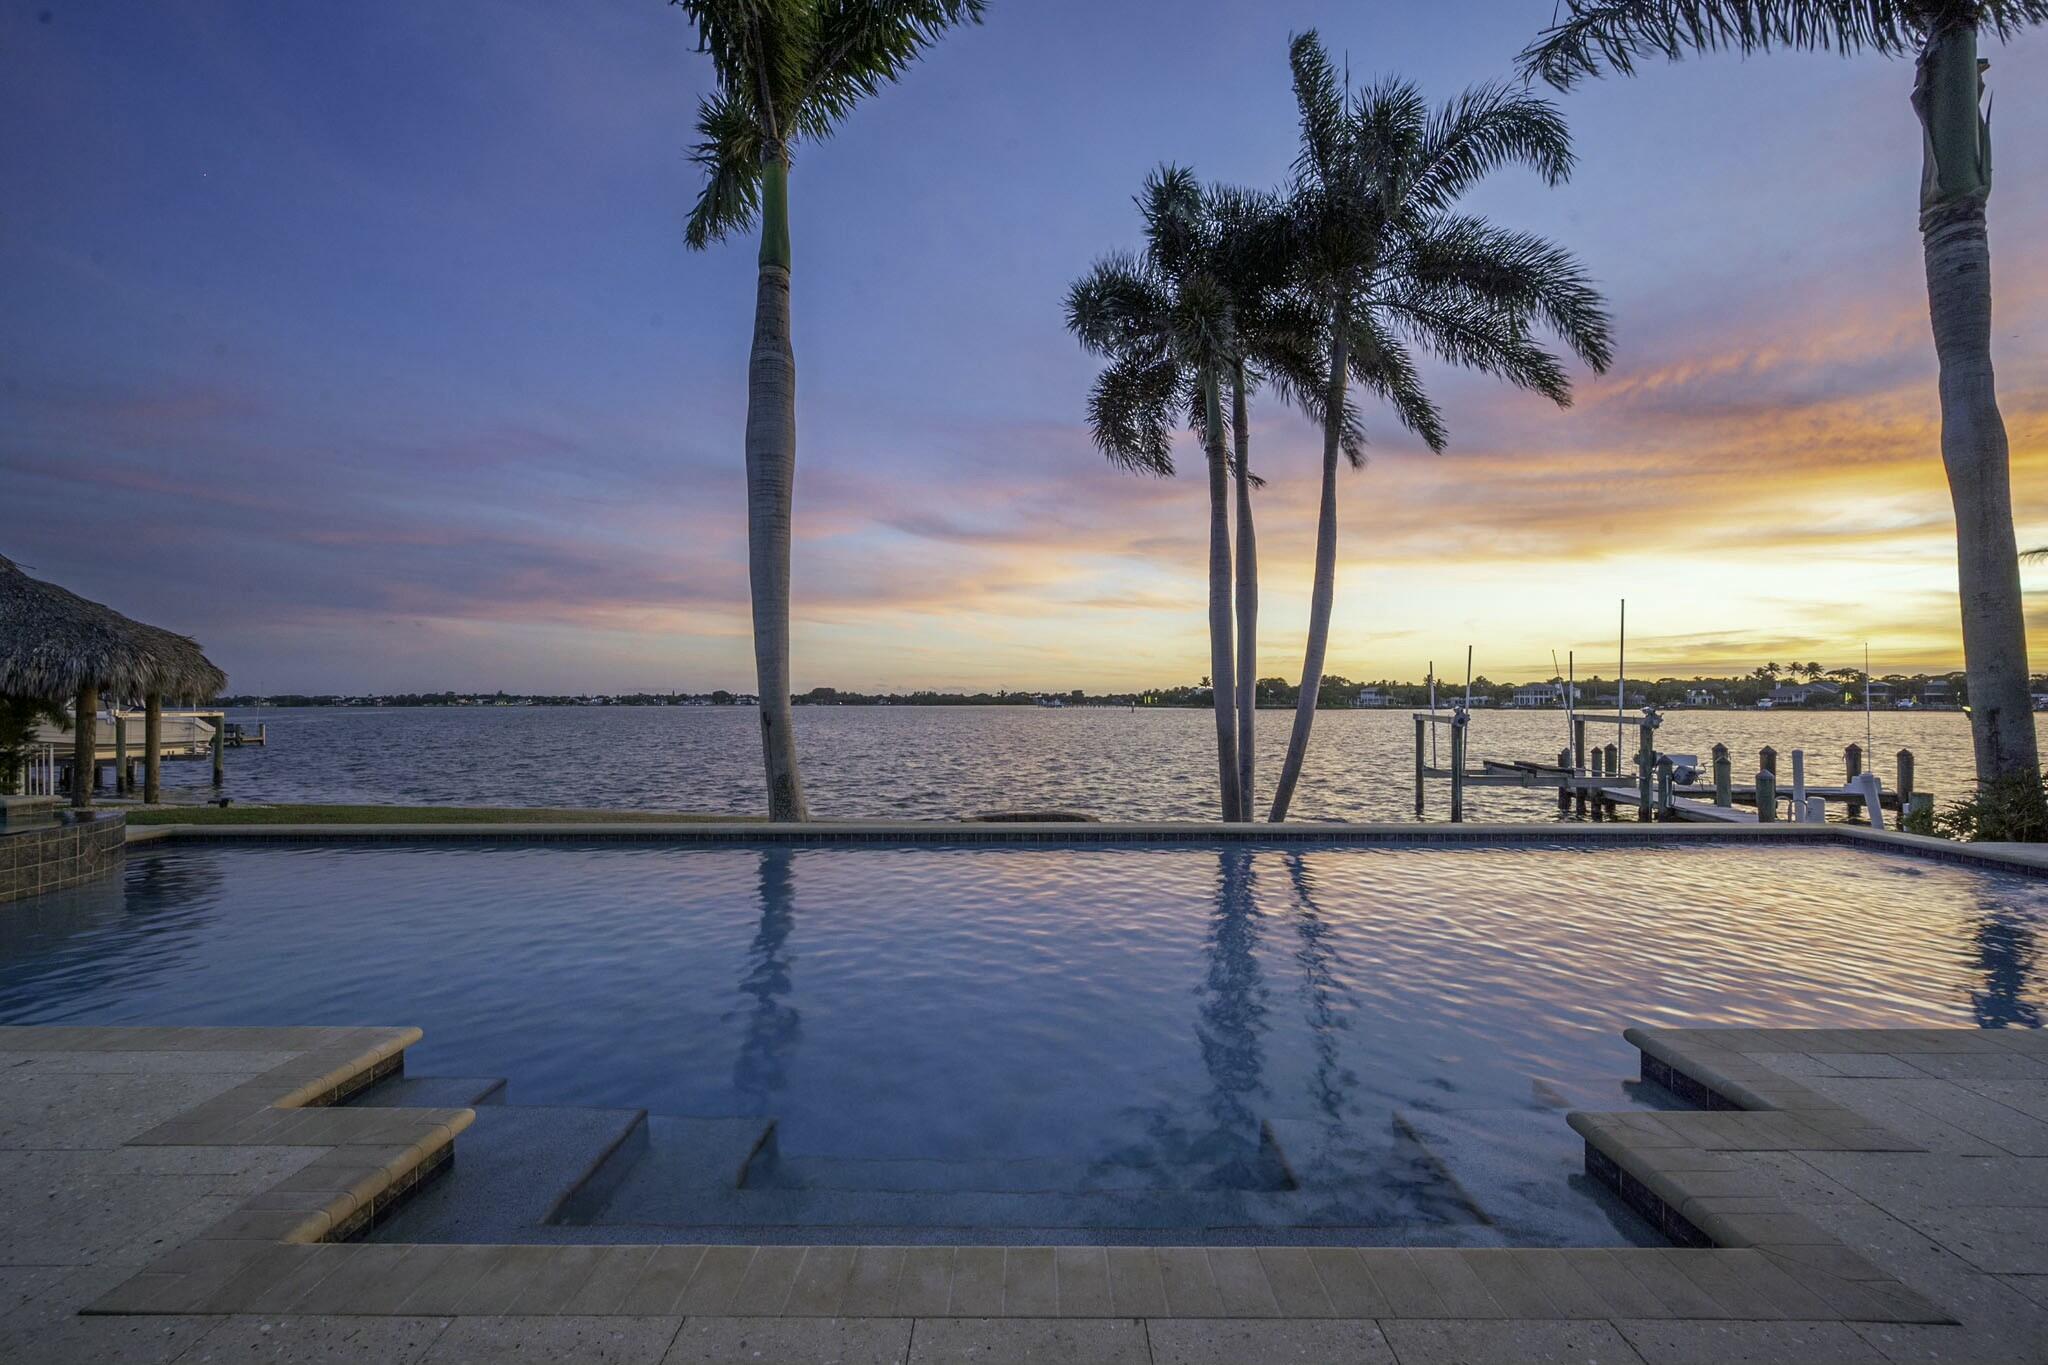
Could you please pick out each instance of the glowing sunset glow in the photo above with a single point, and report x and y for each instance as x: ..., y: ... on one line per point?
x: 370, y: 354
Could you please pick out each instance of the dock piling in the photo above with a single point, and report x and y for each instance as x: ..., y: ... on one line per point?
x: 1799, y: 784
x: 220, y: 750
x: 1579, y: 756
x: 1564, y: 790
x: 1421, y: 728
x: 1724, y: 777
x: 1905, y: 778
x: 1852, y: 764
x: 1766, y: 793
x: 152, y: 748
x: 1665, y: 803
x: 1767, y: 759
x: 1875, y: 794
x: 1458, y: 769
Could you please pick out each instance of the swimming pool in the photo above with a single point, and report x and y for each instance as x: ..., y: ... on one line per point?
x: 1298, y: 1042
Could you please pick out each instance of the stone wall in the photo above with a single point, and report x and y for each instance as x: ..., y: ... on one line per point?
x: 67, y: 852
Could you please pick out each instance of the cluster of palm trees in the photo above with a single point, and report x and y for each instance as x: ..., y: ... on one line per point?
x: 1330, y: 287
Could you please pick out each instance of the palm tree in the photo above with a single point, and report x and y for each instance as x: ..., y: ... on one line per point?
x: 1955, y: 185
x: 788, y: 71
x: 1252, y: 254
x: 1164, y: 322
x: 1391, y: 266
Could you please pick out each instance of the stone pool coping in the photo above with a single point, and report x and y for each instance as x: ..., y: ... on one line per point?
x: 2010, y: 857
x: 1776, y: 1284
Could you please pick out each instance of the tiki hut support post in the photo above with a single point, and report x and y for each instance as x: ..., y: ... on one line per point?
x: 122, y: 773
x: 153, y: 748
x: 85, y: 763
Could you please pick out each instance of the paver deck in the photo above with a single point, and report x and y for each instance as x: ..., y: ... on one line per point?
x: 188, y: 1195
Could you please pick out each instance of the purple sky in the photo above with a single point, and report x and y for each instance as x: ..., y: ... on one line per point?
x: 362, y: 344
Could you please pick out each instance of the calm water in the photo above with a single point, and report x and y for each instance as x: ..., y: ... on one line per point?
x: 943, y: 762
x: 1115, y: 1037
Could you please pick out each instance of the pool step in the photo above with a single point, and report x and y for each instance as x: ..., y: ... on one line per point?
x: 432, y: 1092
x: 515, y: 1166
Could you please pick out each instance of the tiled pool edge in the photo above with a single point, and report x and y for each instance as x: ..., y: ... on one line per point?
x: 276, y: 1254
x: 1624, y: 834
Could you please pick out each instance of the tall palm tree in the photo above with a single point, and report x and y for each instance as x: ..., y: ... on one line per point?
x: 788, y: 71
x: 1251, y: 251
x: 1392, y: 267
x: 1164, y: 322
x: 1955, y: 185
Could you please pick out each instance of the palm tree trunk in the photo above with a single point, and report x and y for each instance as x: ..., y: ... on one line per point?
x: 1955, y: 185
x: 1324, y: 592
x: 85, y: 746
x: 1222, y: 671
x: 771, y: 480
x: 1247, y: 599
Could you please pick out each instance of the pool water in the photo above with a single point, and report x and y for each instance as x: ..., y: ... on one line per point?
x: 1083, y: 1043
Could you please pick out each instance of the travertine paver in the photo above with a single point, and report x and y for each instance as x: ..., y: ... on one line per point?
x: 1866, y: 1201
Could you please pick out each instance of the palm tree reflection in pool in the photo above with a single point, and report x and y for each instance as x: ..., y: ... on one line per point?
x: 2007, y: 955
x: 773, y: 1025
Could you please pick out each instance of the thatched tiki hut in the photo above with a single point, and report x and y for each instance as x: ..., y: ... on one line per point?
x: 56, y: 645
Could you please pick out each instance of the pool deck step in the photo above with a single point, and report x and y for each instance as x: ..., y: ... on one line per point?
x: 432, y: 1092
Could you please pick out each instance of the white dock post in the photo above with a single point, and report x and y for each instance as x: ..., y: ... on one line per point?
x: 1816, y: 810
x: 1799, y: 784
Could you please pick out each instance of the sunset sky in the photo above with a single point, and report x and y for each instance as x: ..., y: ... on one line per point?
x: 361, y: 343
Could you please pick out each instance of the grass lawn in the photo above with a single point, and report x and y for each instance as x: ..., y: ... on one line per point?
x: 407, y: 815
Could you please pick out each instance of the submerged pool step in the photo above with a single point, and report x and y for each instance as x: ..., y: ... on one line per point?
x: 512, y: 1170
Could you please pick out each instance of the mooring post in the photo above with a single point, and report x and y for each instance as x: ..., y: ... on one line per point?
x: 1564, y: 785
x: 1579, y: 756
x: 1646, y: 770
x: 1458, y: 768
x: 1724, y: 777
x: 1665, y: 805
x: 220, y: 749
x: 1767, y: 759
x: 1766, y: 794
x: 1852, y: 764
x: 1905, y: 779
x: 1816, y: 810
x: 1421, y: 728
x: 1613, y: 775
x: 1799, y: 784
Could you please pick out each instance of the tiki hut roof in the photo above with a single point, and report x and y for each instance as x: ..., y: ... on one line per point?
x: 53, y: 642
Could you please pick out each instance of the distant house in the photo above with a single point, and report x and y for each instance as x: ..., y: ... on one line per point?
x: 1605, y: 701
x: 1534, y: 695
x: 1937, y: 692
x: 1880, y: 694
x: 1803, y: 694
x: 1702, y: 696
x: 1371, y: 696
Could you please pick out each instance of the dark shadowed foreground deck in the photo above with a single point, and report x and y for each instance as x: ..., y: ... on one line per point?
x: 178, y: 1195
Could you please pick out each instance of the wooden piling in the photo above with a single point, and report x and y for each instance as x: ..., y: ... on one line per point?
x: 1767, y: 759
x: 1458, y: 770
x: 1724, y: 777
x: 1646, y: 765
x: 1905, y: 783
x: 1766, y: 794
x: 1665, y: 805
x: 1852, y: 764
x: 1579, y: 756
x: 1421, y: 747
x: 1564, y: 791
x: 220, y: 749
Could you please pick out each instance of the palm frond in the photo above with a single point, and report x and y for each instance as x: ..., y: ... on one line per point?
x: 1118, y: 308
x: 1170, y: 204
x: 1483, y: 129
x: 730, y: 149
x: 1381, y: 365
x: 1463, y: 329
x: 761, y: 50
x: 1130, y: 414
x: 1519, y: 271
x: 1613, y: 34
x: 1319, y: 99
x: 862, y: 45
